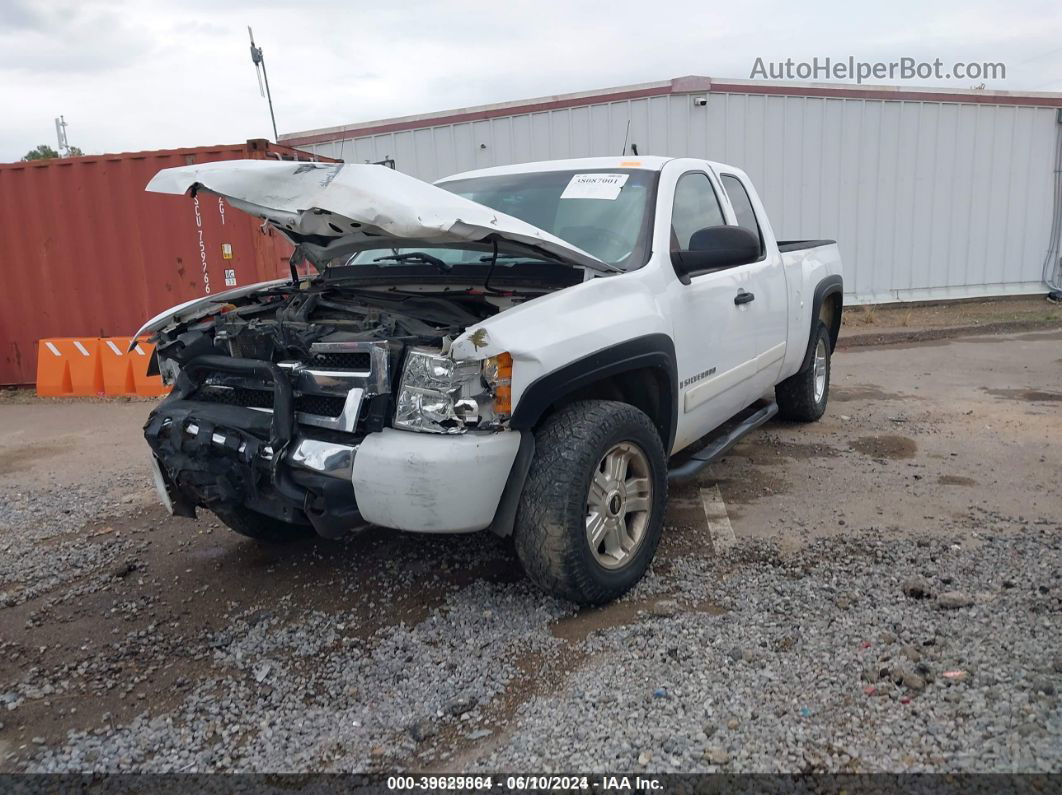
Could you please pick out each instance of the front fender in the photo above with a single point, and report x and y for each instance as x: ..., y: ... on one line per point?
x: 557, y: 330
x: 652, y: 351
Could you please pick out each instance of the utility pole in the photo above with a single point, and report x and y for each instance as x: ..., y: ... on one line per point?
x: 259, y: 64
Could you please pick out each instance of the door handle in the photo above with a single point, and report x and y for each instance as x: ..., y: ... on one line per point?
x: 743, y: 297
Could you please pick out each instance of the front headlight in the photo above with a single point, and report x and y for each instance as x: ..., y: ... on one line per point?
x: 440, y: 395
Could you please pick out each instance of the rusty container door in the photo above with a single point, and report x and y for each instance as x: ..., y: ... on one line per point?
x: 86, y: 252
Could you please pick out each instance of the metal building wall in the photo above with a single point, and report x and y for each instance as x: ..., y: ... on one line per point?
x: 927, y: 199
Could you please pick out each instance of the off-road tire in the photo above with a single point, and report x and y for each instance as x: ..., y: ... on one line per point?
x: 261, y: 527
x: 796, y: 394
x: 550, y: 529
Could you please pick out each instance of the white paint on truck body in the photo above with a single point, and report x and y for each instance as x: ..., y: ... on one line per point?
x: 430, y: 483
x: 751, y: 347
x: 728, y: 354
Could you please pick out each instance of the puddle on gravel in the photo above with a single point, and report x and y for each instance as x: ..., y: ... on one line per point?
x: 1026, y: 395
x: 956, y: 480
x: 576, y: 628
x: 886, y: 446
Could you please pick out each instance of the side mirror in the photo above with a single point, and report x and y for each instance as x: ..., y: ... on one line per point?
x: 714, y: 248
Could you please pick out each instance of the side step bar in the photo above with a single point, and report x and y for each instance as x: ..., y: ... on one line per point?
x: 717, y: 447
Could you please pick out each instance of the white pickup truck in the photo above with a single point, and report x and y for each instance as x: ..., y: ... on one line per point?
x: 524, y: 348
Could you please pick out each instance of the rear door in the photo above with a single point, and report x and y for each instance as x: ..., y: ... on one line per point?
x: 769, y: 309
x: 715, y: 339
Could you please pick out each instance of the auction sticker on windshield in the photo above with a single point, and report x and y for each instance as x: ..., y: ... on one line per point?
x: 595, y: 186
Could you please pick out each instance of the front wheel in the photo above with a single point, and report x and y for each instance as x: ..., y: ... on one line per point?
x: 261, y: 527
x: 592, y: 509
x: 802, y: 397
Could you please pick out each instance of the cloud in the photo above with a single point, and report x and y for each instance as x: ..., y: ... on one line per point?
x: 132, y: 75
x: 19, y: 15
x: 59, y: 38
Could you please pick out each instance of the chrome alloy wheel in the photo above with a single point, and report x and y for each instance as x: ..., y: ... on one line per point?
x: 618, y: 505
x: 820, y: 370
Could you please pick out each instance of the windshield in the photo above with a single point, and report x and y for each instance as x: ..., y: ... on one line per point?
x: 603, y: 212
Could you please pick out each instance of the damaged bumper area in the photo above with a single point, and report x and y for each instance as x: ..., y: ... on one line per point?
x: 303, y: 468
x: 243, y: 454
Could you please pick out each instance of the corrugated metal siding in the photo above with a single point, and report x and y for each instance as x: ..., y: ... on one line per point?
x: 85, y: 251
x: 927, y: 199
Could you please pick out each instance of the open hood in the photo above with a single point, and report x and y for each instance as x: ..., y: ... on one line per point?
x: 333, y: 210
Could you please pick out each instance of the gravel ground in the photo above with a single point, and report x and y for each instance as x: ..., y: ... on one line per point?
x: 892, y: 604
x: 818, y: 661
x: 48, y: 550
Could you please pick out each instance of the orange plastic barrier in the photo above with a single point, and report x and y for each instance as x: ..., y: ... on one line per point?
x: 69, y: 366
x: 53, y: 370
x: 88, y: 367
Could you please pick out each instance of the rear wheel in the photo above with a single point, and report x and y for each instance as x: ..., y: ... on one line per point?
x: 802, y: 397
x: 592, y: 509
x: 261, y: 527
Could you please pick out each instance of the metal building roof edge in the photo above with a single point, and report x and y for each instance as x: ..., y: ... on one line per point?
x: 480, y: 112
x: 689, y: 84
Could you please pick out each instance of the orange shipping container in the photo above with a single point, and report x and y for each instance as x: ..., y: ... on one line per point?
x: 86, y: 252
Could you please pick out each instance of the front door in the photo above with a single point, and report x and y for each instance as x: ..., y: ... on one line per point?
x: 715, y: 338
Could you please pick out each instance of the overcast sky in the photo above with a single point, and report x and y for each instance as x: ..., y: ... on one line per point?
x: 132, y: 75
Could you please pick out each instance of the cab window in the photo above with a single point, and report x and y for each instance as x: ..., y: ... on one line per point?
x: 742, y: 204
x: 696, y: 207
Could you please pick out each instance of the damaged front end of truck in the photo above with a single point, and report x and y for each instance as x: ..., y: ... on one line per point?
x: 276, y: 387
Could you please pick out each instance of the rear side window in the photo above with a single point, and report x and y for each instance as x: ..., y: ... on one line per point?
x: 739, y: 198
x: 696, y: 207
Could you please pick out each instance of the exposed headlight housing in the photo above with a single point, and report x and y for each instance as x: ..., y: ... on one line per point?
x: 441, y: 395
x: 169, y: 370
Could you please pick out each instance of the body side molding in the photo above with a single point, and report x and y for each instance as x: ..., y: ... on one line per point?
x: 655, y: 351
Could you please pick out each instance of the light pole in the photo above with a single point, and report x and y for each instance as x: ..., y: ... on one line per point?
x: 260, y: 68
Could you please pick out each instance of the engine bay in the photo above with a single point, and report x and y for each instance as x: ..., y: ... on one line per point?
x: 282, y: 323
x: 273, y: 391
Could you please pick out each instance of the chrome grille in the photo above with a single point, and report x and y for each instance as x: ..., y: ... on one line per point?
x: 320, y: 405
x: 329, y: 386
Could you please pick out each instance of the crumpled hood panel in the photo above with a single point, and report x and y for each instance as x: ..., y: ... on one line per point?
x: 335, y: 209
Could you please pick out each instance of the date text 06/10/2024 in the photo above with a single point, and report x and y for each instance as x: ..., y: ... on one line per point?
x: 523, y: 783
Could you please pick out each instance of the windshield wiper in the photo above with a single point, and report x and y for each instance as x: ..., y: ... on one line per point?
x: 521, y: 257
x: 418, y: 257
